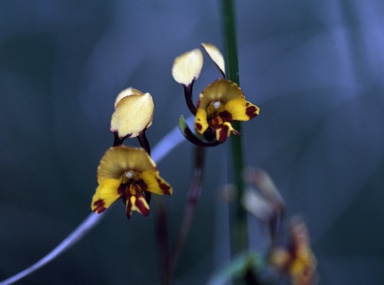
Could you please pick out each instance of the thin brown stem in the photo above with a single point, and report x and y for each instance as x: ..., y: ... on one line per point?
x: 162, y: 237
x: 192, y: 199
x: 117, y: 140
x: 188, y: 98
x: 144, y: 142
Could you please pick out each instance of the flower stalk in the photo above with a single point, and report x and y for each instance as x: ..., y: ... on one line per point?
x: 192, y: 199
x: 163, y: 243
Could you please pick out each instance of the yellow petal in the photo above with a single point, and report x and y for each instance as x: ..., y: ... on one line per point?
x: 132, y: 115
x: 216, y: 56
x: 241, y: 110
x: 201, y: 123
x: 117, y: 160
x: 155, y: 183
x: 127, y: 92
x: 221, y: 90
x: 187, y: 67
x: 106, y: 194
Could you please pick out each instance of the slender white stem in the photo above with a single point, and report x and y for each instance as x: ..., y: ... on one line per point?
x: 161, y: 149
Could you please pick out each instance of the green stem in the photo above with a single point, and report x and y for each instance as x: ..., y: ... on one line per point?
x: 230, y: 41
x: 239, y: 238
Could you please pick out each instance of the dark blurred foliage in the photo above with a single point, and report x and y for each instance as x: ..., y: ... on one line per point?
x: 315, y: 68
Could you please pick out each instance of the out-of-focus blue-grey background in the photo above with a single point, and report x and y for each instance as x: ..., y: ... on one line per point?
x: 315, y: 68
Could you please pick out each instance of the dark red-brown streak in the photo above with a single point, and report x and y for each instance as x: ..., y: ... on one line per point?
x: 251, y: 111
x: 99, y: 206
x: 164, y: 187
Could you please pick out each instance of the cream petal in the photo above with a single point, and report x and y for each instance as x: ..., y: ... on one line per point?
x: 187, y: 67
x: 132, y: 115
x: 127, y: 92
x: 216, y: 56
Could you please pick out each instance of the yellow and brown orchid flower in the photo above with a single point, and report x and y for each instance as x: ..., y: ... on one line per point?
x: 218, y: 105
x: 296, y: 260
x: 127, y: 173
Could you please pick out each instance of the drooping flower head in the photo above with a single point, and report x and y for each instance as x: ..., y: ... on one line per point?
x: 220, y: 103
x: 127, y: 173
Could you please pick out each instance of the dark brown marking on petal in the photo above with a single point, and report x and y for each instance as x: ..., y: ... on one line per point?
x: 140, y: 183
x: 251, y: 111
x: 198, y: 126
x: 226, y: 116
x: 215, y: 122
x: 121, y: 190
x: 164, y: 187
x: 223, y: 134
x: 99, y: 206
x: 209, y: 134
x: 136, y: 187
x: 141, y: 207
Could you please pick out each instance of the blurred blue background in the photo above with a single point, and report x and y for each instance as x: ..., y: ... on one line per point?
x: 315, y: 68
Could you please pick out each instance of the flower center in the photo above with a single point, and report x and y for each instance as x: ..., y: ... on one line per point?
x: 214, y: 108
x: 216, y: 104
x: 131, y: 183
x: 217, y: 115
x: 130, y: 176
